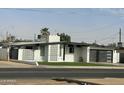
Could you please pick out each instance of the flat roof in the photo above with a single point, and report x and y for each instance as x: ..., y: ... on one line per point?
x: 33, y: 43
x: 66, y: 43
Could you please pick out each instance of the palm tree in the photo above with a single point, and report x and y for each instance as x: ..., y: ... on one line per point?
x: 45, y: 32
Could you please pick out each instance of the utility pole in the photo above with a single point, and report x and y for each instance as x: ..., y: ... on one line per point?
x: 95, y: 41
x: 120, y: 35
x: 34, y: 37
x: 6, y: 35
x: 120, y: 43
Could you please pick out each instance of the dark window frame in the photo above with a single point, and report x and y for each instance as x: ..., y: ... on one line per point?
x: 71, y: 49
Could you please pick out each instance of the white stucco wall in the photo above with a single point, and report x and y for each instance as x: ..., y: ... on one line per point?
x: 115, y: 57
x: 85, y: 54
x: 69, y: 57
x: 74, y: 57
x: 20, y: 54
x: 77, y: 53
x: 46, y: 53
x: 37, y: 56
x: 60, y: 58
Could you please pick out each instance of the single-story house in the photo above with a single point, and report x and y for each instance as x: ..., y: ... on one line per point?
x: 53, y: 50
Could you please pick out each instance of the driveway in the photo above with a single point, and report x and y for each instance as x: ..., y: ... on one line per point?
x: 9, y: 64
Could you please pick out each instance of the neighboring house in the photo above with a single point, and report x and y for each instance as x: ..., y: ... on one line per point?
x: 52, y: 50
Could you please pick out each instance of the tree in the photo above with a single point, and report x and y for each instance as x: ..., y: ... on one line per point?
x: 44, y: 33
x: 64, y: 37
x: 112, y: 45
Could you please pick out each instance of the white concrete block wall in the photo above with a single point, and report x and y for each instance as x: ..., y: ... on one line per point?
x: 4, y: 54
x: 25, y: 54
x: 53, y: 53
x: 28, y: 54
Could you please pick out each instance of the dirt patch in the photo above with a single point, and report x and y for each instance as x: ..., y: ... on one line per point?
x: 9, y: 64
x: 32, y: 82
x: 106, y: 81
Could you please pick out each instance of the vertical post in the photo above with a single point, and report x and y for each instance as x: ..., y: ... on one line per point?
x: 35, y: 37
x: 120, y: 43
x: 7, y: 36
x: 97, y: 55
x: 88, y: 54
x: 64, y: 52
x: 120, y: 35
x: 8, y: 55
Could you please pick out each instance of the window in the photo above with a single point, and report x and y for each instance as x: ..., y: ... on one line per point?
x: 71, y: 49
x: 42, y: 50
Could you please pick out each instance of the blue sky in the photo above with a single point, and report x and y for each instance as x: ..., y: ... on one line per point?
x: 82, y: 24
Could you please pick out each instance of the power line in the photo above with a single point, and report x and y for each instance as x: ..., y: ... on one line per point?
x: 113, y: 36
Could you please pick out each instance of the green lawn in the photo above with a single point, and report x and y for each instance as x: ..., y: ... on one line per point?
x: 72, y: 64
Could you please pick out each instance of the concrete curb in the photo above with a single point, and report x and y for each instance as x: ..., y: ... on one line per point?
x: 80, y: 67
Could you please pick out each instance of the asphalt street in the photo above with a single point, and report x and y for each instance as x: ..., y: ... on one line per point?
x: 60, y: 73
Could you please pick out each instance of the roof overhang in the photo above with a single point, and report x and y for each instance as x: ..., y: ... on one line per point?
x: 50, y: 43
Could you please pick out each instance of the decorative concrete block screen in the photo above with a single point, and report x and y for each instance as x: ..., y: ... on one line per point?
x: 3, y: 54
x: 53, y: 52
x: 28, y: 54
